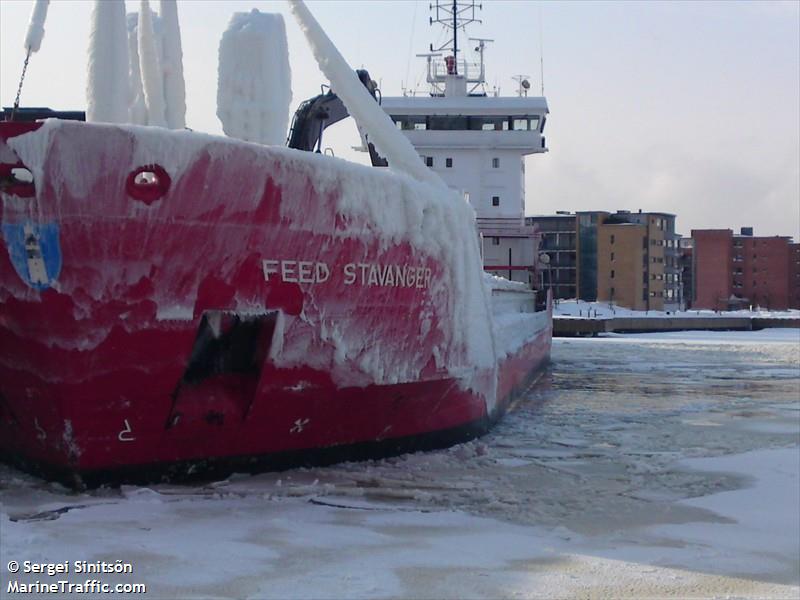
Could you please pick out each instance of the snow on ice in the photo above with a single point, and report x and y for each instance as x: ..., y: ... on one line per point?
x: 254, y: 83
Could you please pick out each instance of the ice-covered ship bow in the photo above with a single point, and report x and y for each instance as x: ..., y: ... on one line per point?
x: 173, y: 300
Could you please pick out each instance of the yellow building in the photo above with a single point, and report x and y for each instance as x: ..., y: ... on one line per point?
x: 622, y: 264
x: 635, y: 263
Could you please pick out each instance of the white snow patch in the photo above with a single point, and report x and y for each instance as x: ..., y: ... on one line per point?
x: 501, y: 283
x: 605, y: 310
x: 765, y: 515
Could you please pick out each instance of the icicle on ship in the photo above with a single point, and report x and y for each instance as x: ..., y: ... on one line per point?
x: 176, y: 303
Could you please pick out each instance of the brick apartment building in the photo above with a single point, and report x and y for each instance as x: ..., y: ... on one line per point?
x: 739, y: 271
x: 685, y: 260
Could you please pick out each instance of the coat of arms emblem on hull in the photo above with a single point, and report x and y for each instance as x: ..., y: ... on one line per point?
x: 34, y: 251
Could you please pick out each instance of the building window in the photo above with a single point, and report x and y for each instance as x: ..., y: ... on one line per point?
x: 495, y: 241
x: 612, y: 254
x: 448, y: 162
x: 428, y: 160
x: 612, y: 273
x: 612, y: 291
x: 495, y: 163
x: 495, y: 200
x: 612, y: 241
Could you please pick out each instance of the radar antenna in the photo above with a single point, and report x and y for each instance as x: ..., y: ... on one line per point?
x: 453, y: 15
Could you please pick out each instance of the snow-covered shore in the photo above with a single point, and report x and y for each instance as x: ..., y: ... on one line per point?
x: 605, y: 310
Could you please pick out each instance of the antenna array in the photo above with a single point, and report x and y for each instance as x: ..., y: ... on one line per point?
x: 454, y: 15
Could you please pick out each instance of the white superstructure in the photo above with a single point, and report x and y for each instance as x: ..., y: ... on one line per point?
x: 477, y: 143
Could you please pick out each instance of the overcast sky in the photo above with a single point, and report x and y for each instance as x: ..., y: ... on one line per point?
x: 690, y: 108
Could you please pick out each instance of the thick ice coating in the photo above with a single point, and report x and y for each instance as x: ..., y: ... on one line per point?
x: 136, y: 105
x: 150, y: 67
x: 254, y: 86
x: 470, y: 302
x: 172, y: 65
x: 33, y: 39
x: 361, y: 106
x: 107, y: 94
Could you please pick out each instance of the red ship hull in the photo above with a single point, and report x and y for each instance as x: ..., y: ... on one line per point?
x: 231, y: 310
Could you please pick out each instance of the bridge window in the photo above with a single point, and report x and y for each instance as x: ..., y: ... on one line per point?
x: 488, y: 123
x: 447, y: 123
x: 410, y: 123
x: 465, y: 123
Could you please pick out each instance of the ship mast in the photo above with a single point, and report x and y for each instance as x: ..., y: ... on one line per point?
x: 453, y: 15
